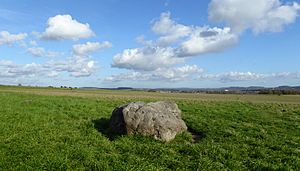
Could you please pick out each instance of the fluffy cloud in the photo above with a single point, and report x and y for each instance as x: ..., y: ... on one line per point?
x: 189, y: 41
x: 41, y: 52
x: 233, y: 76
x: 240, y: 76
x: 61, y: 27
x: 169, y: 30
x: 36, y: 51
x: 132, y: 76
x: 90, y: 47
x: 7, y: 38
x: 176, y: 74
x: 193, y: 40
x: 258, y: 15
x: 52, y: 54
x: 193, y: 72
x: 176, y: 41
x: 80, y: 65
x: 207, y: 40
x: 249, y: 76
x: 77, y: 66
x: 282, y: 75
x: 5, y: 63
x: 160, y: 74
x: 11, y: 70
x: 30, y: 70
x: 146, y: 59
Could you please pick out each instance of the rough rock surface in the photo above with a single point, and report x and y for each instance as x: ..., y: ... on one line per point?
x: 160, y: 120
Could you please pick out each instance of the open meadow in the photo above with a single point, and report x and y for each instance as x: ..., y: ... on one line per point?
x: 63, y: 129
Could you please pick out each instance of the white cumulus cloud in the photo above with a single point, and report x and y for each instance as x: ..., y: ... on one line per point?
x: 193, y: 40
x: 7, y: 38
x: 240, y: 76
x: 61, y: 27
x: 249, y: 76
x: 9, y: 69
x: 207, y: 40
x: 41, y: 52
x: 77, y: 66
x: 90, y: 47
x: 284, y: 75
x: 169, y: 30
x: 258, y: 15
x: 235, y: 76
x: 160, y: 74
x: 146, y: 59
x: 36, y: 51
x: 175, y: 42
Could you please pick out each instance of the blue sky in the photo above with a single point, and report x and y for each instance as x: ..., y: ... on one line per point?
x: 158, y: 43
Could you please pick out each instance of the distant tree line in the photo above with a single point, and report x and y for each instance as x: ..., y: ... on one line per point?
x: 279, y: 92
x: 262, y: 91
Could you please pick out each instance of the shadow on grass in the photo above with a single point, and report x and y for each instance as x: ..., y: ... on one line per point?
x: 197, y: 136
x: 102, y: 126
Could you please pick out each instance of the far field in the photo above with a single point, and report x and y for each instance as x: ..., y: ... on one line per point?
x: 61, y: 129
x: 136, y: 95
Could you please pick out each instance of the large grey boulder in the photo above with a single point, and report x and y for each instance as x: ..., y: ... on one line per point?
x: 160, y: 120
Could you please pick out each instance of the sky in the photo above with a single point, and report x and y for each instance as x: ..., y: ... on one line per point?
x: 150, y: 44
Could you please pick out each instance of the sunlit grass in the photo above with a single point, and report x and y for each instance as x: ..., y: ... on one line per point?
x: 41, y: 132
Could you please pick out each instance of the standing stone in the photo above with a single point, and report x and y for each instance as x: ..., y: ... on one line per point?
x: 160, y: 120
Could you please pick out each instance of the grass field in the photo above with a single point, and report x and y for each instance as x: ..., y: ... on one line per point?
x: 54, y: 129
x: 140, y: 95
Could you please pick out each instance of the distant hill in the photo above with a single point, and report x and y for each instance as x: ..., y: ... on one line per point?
x: 228, y: 90
x: 97, y: 88
x: 236, y: 90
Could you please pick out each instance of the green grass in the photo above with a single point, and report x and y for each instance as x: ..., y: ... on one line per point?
x: 139, y: 95
x: 48, y: 132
